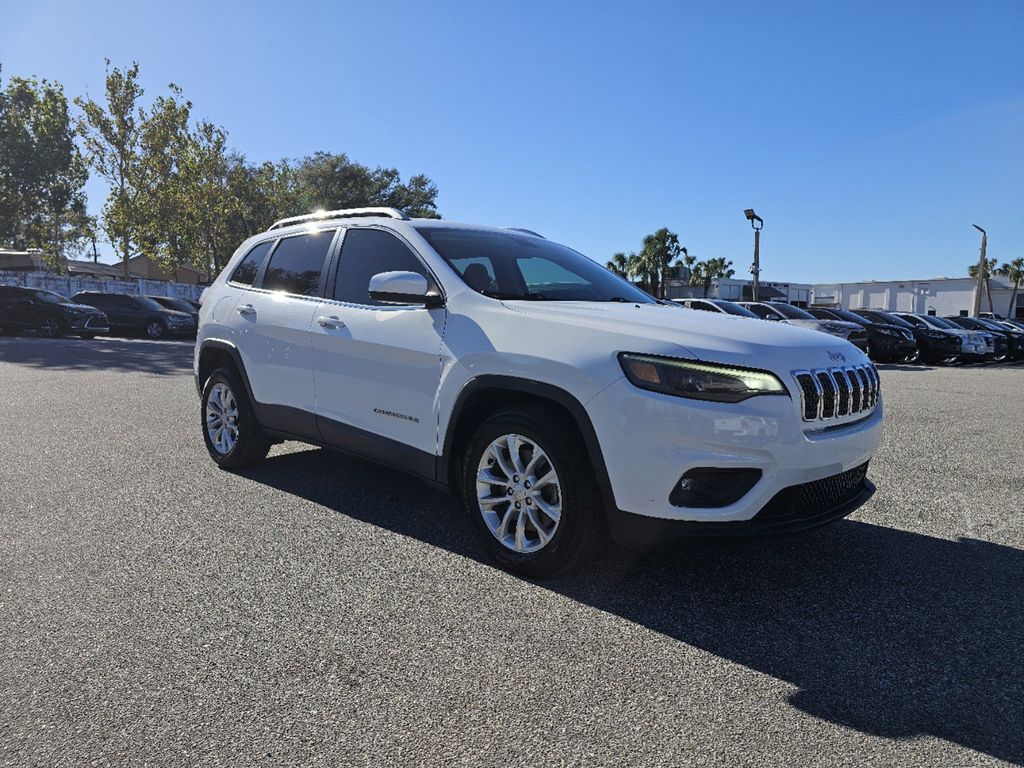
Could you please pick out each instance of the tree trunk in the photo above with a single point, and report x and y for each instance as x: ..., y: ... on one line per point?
x: 988, y: 290
x: 1011, y: 311
x: 126, y: 269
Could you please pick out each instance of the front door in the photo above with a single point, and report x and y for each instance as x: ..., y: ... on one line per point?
x: 377, y: 366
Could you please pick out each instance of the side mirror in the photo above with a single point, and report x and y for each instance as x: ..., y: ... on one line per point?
x: 403, y: 288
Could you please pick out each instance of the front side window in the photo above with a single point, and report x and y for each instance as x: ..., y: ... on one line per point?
x: 297, y: 263
x: 365, y: 253
x: 511, y: 265
x: 51, y: 298
x: 761, y: 311
x: 247, y: 269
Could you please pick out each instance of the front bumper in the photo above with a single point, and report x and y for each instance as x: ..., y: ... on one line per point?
x: 650, y: 440
x: 891, y: 347
x: 89, y: 323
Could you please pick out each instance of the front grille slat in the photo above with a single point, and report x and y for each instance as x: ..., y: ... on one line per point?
x: 832, y: 393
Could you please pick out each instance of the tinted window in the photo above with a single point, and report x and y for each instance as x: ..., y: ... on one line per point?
x: 791, y: 312
x: 296, y: 263
x: 366, y: 252
x: 511, y: 265
x: 51, y: 298
x: 249, y: 266
x: 761, y: 311
x: 733, y: 308
x: 702, y: 306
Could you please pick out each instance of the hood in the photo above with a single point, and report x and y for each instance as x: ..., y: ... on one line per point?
x: 82, y: 307
x: 707, y: 336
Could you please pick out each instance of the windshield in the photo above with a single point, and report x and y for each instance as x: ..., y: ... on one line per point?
x: 991, y: 325
x: 508, y: 265
x: 52, y: 298
x: 940, y: 322
x: 845, y: 314
x: 793, y: 313
x: 148, y: 303
x: 178, y: 304
x: 885, y: 317
x: 734, y: 309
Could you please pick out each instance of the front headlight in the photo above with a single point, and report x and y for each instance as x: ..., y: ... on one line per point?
x: 888, y: 332
x: 697, y: 380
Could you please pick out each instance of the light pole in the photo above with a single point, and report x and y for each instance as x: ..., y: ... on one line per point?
x: 980, y: 285
x: 756, y: 222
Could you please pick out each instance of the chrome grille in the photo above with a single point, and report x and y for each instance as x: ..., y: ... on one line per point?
x: 832, y: 393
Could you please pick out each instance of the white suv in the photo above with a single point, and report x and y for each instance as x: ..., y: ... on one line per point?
x: 559, y: 400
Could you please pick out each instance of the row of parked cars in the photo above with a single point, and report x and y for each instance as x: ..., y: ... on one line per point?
x: 90, y: 313
x: 892, y: 337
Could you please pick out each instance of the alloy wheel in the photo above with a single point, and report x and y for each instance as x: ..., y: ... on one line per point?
x: 50, y: 327
x: 154, y: 330
x: 222, y: 418
x: 519, y: 494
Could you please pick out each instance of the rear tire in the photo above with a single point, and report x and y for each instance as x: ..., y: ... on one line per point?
x: 539, y: 546
x: 232, y: 435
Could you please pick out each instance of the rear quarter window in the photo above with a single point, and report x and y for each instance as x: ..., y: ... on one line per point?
x: 247, y: 269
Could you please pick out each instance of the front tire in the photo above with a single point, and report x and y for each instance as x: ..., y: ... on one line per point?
x: 230, y: 430
x: 530, y: 492
x: 155, y: 329
x: 51, y: 327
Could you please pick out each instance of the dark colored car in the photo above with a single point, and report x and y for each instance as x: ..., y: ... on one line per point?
x: 887, y: 343
x: 47, y: 313
x: 139, y: 314
x: 1009, y: 343
x: 933, y: 345
x: 181, y: 305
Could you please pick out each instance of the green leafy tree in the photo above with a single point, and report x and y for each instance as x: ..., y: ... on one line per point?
x: 42, y: 172
x: 990, y: 264
x: 709, y: 270
x: 1014, y: 272
x: 618, y: 264
x: 112, y: 136
x: 660, y: 250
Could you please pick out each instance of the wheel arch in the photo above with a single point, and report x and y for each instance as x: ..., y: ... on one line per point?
x: 485, y: 394
x: 214, y: 354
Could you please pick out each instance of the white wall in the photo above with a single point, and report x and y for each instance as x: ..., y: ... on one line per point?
x: 69, y: 286
x: 945, y: 296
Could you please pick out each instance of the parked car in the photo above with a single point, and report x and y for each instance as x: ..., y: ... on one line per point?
x: 787, y: 313
x: 557, y: 398
x: 139, y: 314
x: 1009, y: 340
x: 716, y: 305
x: 974, y: 347
x: 180, y: 305
x: 887, y: 342
x: 934, y: 346
x: 47, y: 313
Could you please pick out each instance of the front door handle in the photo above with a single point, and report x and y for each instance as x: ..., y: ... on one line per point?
x: 329, y: 322
x: 246, y: 309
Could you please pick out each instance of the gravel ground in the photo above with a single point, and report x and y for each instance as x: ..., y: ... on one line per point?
x: 323, y: 611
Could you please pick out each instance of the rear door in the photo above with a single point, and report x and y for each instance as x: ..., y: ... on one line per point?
x: 378, y: 366
x: 272, y: 321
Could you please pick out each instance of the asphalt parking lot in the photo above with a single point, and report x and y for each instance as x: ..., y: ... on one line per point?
x: 318, y: 610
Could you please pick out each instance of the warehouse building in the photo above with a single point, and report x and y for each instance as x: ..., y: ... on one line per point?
x: 937, y: 296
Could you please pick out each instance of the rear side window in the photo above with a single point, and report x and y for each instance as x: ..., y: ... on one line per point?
x: 247, y: 269
x: 364, y: 253
x: 297, y: 263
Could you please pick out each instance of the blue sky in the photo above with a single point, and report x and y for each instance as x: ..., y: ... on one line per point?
x: 869, y: 135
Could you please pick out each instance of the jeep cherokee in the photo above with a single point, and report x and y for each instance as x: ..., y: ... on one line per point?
x: 560, y: 401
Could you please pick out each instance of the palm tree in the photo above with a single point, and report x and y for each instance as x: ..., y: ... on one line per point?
x: 711, y: 269
x: 1014, y: 272
x: 618, y: 264
x: 660, y: 249
x: 990, y: 264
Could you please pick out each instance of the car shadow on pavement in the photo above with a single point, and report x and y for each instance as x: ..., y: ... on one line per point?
x: 893, y: 633
x: 72, y: 354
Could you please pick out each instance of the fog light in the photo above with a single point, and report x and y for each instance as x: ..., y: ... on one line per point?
x: 713, y: 487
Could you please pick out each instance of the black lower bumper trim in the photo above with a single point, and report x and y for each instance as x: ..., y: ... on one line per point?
x: 633, y: 530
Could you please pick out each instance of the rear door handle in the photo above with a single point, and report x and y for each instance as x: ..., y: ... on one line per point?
x: 246, y: 309
x: 329, y: 322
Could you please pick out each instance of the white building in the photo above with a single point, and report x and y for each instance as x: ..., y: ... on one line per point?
x: 938, y: 296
